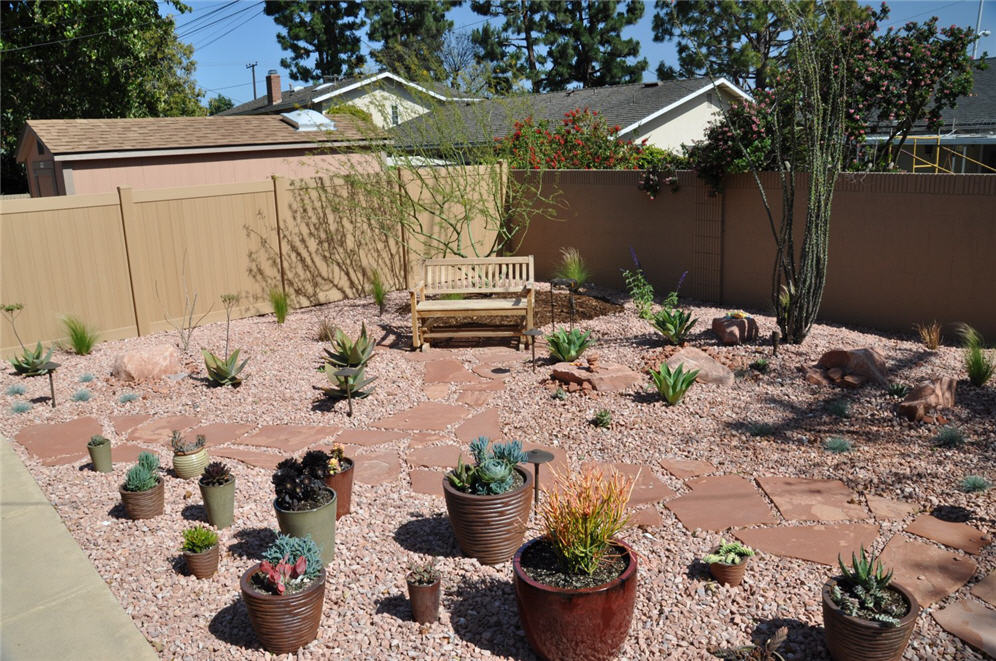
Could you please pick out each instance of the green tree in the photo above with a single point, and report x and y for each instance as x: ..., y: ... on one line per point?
x: 513, y: 50
x: 411, y: 36
x: 329, y: 32
x: 219, y: 104
x: 119, y: 58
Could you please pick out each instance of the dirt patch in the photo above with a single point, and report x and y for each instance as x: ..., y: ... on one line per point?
x: 585, y: 309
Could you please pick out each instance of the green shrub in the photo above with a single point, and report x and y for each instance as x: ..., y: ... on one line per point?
x: 974, y: 484
x: 640, y: 291
x: 837, y: 445
x: 899, y: 390
x: 673, y: 384
x: 198, y: 539
x: 761, y: 429
x: 20, y: 407
x: 602, y: 419
x: 673, y: 324
x: 81, y: 337
x: 978, y: 362
x: 278, y: 299
x: 840, y: 408
x: 567, y: 346
x: 572, y: 267
x: 127, y: 397
x: 379, y: 291
x: 949, y: 437
x: 16, y: 389
x: 760, y: 365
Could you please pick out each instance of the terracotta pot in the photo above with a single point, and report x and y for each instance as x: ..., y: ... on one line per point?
x: 856, y: 639
x: 144, y: 504
x: 219, y: 503
x: 284, y: 623
x: 490, y: 528
x: 425, y: 601
x: 726, y: 574
x: 342, y: 484
x: 319, y: 523
x: 100, y: 457
x: 588, y: 624
x: 188, y: 466
x: 203, y: 564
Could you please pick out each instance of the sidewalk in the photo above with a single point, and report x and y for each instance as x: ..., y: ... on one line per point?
x: 53, y: 604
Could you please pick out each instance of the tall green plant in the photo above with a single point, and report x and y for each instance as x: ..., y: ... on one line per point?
x: 572, y: 267
x: 278, y: 300
x: 81, y: 337
x: 979, y: 363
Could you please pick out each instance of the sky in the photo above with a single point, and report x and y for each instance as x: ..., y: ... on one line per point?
x: 229, y: 35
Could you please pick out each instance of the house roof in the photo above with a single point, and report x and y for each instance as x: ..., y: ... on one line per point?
x: 305, y: 97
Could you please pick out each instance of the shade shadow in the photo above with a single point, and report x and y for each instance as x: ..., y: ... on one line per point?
x: 483, y: 613
x: 118, y: 512
x: 804, y: 641
x: 194, y: 513
x: 397, y: 606
x: 428, y: 536
x: 231, y: 625
x: 252, y: 542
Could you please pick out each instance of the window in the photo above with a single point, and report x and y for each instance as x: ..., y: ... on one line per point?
x: 395, y: 116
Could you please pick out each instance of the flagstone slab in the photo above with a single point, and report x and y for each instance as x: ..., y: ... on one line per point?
x: 959, y: 535
x: 429, y: 356
x: 257, y: 458
x: 648, y: 517
x: 448, y: 370
x: 128, y: 453
x: 377, y: 468
x: 721, y: 502
x: 219, y: 433
x: 368, y: 437
x: 986, y: 588
x: 489, y: 371
x: 929, y: 572
x: 423, y: 438
x: 486, y: 423
x: 64, y: 459
x: 684, y: 468
x: 427, y: 481
x: 125, y: 423
x: 971, y: 621
x: 819, y: 543
x: 886, y: 509
x: 425, y: 416
x: 288, y: 438
x: 438, y: 456
x: 500, y: 356
x: 803, y: 499
x: 486, y: 385
x: 474, y: 398
x: 436, y: 391
x: 54, y: 440
x: 160, y: 429
x: 648, y: 487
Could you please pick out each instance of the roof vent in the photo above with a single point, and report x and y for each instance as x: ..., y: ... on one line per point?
x: 308, y: 120
x: 655, y: 83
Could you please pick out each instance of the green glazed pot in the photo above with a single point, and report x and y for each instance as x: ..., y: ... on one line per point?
x: 100, y: 456
x: 219, y: 503
x: 188, y: 466
x: 319, y: 523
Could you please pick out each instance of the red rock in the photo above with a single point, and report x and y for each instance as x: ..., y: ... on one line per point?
x: 817, y: 377
x: 801, y: 499
x: 928, y: 572
x: 148, y: 363
x: 734, y: 331
x: 289, y: 438
x: 986, y: 588
x: 377, y: 468
x: 833, y: 358
x: 427, y: 482
x: 822, y: 543
x: 721, y: 502
x: 160, y: 430
x: 610, y: 377
x: 885, y: 509
x: 868, y: 363
x: 710, y: 369
x: 913, y: 411
x: 485, y: 423
x: 972, y: 622
x: 219, y: 433
x: 66, y: 439
x: 682, y: 468
x: 959, y: 535
x: 368, y: 437
x: 257, y: 458
x: 927, y: 396
x: 439, y: 456
x: 573, y: 387
x: 425, y: 416
x: 835, y: 373
x: 853, y: 380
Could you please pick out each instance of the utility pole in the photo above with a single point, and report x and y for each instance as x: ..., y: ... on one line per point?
x: 253, y: 68
x: 978, y: 34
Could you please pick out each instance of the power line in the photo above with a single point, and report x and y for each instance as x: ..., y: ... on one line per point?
x: 929, y: 11
x: 186, y: 34
x: 205, y: 45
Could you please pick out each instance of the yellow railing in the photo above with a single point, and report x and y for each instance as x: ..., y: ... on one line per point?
x: 920, y: 163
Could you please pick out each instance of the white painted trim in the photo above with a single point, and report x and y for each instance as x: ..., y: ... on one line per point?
x: 381, y: 76
x: 722, y: 82
x: 106, y: 155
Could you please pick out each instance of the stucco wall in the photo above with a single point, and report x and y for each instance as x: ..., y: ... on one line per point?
x: 681, y: 125
x: 378, y: 102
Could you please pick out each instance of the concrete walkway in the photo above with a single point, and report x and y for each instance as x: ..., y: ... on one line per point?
x: 53, y: 604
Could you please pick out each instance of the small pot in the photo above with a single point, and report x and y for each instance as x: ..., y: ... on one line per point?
x: 100, y: 457
x: 490, y: 528
x: 188, y: 466
x: 342, y: 484
x: 144, y: 504
x: 857, y: 639
x: 726, y: 574
x: 319, y: 523
x: 219, y: 503
x: 284, y: 623
x: 425, y: 601
x: 203, y: 564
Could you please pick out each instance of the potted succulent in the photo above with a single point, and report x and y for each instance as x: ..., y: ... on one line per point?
x: 284, y: 594
x: 576, y: 586
x: 200, y: 550
x: 99, y: 448
x: 728, y: 561
x: 866, y: 616
x: 340, y: 480
x: 304, y: 505
x: 488, y: 503
x: 142, y: 493
x: 423, y: 591
x: 218, y: 493
x: 189, y: 457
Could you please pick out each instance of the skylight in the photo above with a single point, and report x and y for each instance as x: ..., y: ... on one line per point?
x: 308, y: 120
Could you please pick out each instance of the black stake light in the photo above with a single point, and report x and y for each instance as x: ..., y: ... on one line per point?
x: 537, y: 457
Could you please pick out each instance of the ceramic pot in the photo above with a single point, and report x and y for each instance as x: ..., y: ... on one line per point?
x: 203, y: 564
x: 490, y: 528
x: 726, y: 574
x: 188, y: 466
x: 342, y: 484
x: 319, y: 523
x: 425, y: 601
x: 219, y: 503
x: 144, y: 504
x: 857, y: 639
x: 287, y: 622
x: 100, y: 457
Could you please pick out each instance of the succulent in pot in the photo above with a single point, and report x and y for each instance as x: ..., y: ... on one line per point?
x: 488, y: 501
x: 200, y: 549
x: 284, y: 594
x: 423, y: 581
x: 340, y: 479
x: 99, y: 448
x: 142, y: 493
x: 728, y: 561
x: 304, y: 505
x: 189, y: 457
x: 218, y: 493
x: 576, y: 586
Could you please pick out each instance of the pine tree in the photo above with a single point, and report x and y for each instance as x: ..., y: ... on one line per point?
x: 327, y: 31
x: 411, y: 36
x: 513, y: 50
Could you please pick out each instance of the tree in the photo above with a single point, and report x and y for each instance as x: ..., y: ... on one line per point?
x: 514, y: 48
x: 411, y: 36
x: 219, y: 104
x: 329, y: 32
x: 462, y: 65
x: 119, y: 58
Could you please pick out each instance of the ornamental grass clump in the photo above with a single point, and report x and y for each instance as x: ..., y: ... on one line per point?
x: 837, y: 445
x: 979, y: 363
x: 379, y: 292
x: 81, y: 337
x: 568, y: 345
x: 863, y: 591
x: 949, y: 437
x: 930, y: 334
x: 493, y: 471
x: 572, y: 267
x: 583, y: 514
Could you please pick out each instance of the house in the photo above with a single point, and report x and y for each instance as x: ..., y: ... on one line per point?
x: 388, y: 98
x: 78, y: 156
x: 666, y: 114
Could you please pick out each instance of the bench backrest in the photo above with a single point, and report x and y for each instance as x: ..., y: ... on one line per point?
x: 485, y: 275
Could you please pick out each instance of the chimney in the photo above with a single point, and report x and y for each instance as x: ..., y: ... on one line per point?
x: 273, y: 87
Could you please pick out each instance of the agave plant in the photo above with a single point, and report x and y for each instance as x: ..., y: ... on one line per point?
x: 567, y: 346
x: 224, y: 372
x: 673, y: 324
x: 673, y: 384
x: 350, y: 353
x: 33, y: 362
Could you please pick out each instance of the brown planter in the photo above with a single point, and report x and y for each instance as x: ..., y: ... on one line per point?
x: 144, y: 504
x: 856, y: 639
x: 203, y: 564
x: 589, y: 624
x: 490, y: 528
x: 425, y: 601
x: 342, y: 484
x: 284, y: 623
x: 726, y: 574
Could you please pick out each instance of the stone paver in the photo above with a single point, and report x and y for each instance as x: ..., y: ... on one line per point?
x: 437, y: 391
x: 489, y: 385
x: 55, y: 440
x: 427, y: 482
x: 368, y: 437
x: 288, y: 438
x: 127, y: 452
x: 489, y: 371
x: 820, y: 543
x: 125, y: 423
x: 448, y: 370
x: 429, y: 356
x: 648, y: 517
x: 501, y: 356
x: 721, y: 502
x: 423, y: 438
x: 886, y: 509
x: 474, y: 398
x: 801, y: 499
x: 63, y: 459
x: 377, y: 468
x: 971, y: 621
x: 986, y: 588
x: 426, y: 416
x: 684, y: 468
x: 257, y: 458
x: 930, y: 573
x: 485, y: 423
x: 438, y: 456
x: 219, y: 433
x: 959, y: 535
x: 648, y: 487
x: 160, y: 429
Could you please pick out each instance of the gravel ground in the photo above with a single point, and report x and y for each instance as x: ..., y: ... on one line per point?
x: 680, y: 614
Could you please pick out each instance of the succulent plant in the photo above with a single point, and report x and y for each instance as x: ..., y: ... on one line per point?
x: 32, y: 362
x: 862, y: 591
x: 216, y: 474
x: 673, y: 384
x: 337, y: 461
x: 559, y: 394
x: 567, y: 346
x: 602, y: 419
x: 97, y: 440
x: 760, y: 365
x: 289, y: 564
x: 348, y: 383
x: 837, y: 445
x: 198, y: 539
x: 127, y: 397
x: 16, y: 389
x: 898, y: 390
x: 729, y: 553
x: 840, y: 408
x: 299, y: 486
x: 224, y: 372
x: 949, y: 437
x: 182, y: 446
x: 20, y: 407
x: 82, y: 395
x: 86, y: 378
x: 673, y: 324
x: 974, y: 484
x: 493, y: 470
x: 349, y: 353
x: 422, y: 573
x: 143, y: 475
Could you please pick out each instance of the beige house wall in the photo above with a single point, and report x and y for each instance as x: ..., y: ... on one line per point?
x: 378, y: 101
x: 683, y: 124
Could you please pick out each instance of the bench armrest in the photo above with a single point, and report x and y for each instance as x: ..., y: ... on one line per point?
x: 419, y: 288
x: 529, y: 285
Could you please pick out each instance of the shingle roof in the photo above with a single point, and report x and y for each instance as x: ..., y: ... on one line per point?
x: 978, y: 110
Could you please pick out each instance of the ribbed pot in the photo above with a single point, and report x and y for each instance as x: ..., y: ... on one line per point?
x: 287, y: 622
x: 589, y: 624
x: 342, y: 484
x: 144, y: 504
x: 188, y: 466
x: 319, y: 523
x: 856, y: 639
x: 425, y: 601
x: 100, y: 457
x: 730, y: 575
x: 203, y: 564
x: 219, y: 503
x: 490, y: 528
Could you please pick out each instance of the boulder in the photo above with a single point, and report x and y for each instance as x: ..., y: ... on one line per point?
x: 710, y: 370
x: 868, y: 364
x: 927, y: 396
x: 149, y: 363
x: 610, y: 377
x: 734, y: 331
x: 817, y: 377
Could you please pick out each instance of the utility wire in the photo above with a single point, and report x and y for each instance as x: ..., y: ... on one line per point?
x: 205, y: 45
x: 187, y: 33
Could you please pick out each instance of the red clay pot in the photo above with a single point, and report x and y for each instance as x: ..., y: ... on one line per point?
x: 425, y: 601
x: 590, y: 624
x: 857, y: 639
x: 726, y: 574
x: 342, y: 484
x: 490, y: 528
x: 284, y: 623
x: 203, y: 564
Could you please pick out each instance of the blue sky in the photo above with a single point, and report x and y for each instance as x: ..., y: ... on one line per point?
x: 239, y: 33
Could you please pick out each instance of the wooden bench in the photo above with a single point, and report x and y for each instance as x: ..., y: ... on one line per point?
x: 512, y: 276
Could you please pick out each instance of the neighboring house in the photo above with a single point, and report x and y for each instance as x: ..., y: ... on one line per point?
x: 388, y: 98
x: 77, y: 156
x: 665, y: 113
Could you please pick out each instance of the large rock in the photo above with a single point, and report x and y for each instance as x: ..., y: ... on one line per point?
x: 867, y: 363
x: 610, y: 377
x: 710, y: 370
x: 731, y: 330
x: 150, y: 363
x: 927, y: 396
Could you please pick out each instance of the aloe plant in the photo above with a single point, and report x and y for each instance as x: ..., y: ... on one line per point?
x: 32, y: 362
x: 673, y: 384
x: 224, y: 372
x: 673, y: 324
x: 567, y: 346
x: 350, y: 353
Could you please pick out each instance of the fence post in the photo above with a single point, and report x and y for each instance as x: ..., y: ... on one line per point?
x: 279, y: 198
x: 126, y: 205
